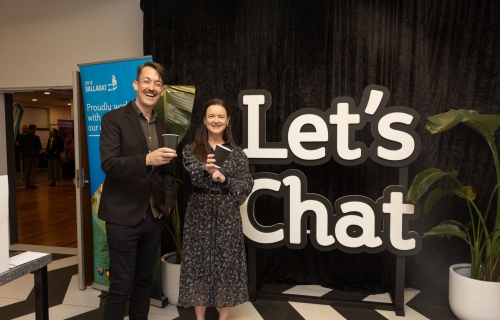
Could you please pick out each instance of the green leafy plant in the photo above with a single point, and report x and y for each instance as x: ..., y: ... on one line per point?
x: 176, y: 108
x: 483, y: 240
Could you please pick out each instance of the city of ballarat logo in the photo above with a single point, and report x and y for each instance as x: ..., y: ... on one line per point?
x: 114, y: 84
x: 90, y: 86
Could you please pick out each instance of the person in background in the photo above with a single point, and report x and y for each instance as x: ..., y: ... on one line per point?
x: 24, y: 129
x: 30, y: 146
x: 213, y: 266
x: 137, y: 193
x: 53, y: 151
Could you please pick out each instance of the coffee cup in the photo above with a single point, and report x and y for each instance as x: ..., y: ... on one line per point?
x: 170, y: 140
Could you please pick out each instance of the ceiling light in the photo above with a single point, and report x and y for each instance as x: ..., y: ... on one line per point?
x: 46, y: 92
x: 34, y: 100
x: 69, y: 104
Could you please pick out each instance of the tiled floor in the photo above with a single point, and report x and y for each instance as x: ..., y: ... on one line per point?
x: 66, y: 301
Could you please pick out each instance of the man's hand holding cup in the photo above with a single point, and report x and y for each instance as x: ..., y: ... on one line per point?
x: 160, y: 156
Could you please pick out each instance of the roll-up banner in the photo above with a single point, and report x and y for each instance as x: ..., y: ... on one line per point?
x: 18, y: 111
x: 106, y: 86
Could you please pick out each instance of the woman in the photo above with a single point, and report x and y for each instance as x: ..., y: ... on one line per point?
x: 213, y: 267
x: 53, y: 150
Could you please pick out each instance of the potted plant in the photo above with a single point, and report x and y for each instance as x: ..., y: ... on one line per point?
x: 175, y: 108
x: 474, y: 289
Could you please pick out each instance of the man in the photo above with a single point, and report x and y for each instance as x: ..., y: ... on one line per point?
x: 24, y: 129
x: 30, y: 146
x: 137, y: 193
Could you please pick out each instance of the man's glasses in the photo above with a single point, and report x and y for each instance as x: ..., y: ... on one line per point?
x: 146, y: 82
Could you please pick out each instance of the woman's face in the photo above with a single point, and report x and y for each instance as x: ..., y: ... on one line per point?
x: 216, y: 120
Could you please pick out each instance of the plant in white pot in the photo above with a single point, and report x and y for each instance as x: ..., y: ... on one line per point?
x: 474, y: 289
x: 175, y: 107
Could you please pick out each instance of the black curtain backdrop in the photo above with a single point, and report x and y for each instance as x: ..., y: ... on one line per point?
x: 431, y: 55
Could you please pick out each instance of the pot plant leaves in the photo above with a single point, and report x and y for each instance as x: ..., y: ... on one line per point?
x: 424, y: 180
x: 447, y: 228
x: 483, y: 240
x: 438, y: 193
x: 176, y: 108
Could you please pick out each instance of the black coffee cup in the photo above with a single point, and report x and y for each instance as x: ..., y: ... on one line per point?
x: 170, y: 141
x: 221, y: 154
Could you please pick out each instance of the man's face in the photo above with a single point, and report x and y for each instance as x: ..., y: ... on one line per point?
x: 24, y: 129
x: 149, y: 88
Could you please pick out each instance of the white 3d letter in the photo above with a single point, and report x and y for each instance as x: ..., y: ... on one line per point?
x: 295, y: 137
x: 248, y: 229
x: 397, y: 208
x: 343, y: 119
x: 253, y: 134
x: 367, y: 223
x: 406, y: 140
x: 297, y: 209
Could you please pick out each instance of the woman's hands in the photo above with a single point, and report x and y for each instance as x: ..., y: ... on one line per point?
x: 216, y: 175
x: 209, y: 166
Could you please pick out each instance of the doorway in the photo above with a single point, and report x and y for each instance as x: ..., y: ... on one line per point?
x: 47, y: 214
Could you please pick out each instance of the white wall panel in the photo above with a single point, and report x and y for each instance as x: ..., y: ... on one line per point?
x: 4, y: 194
x: 42, y: 41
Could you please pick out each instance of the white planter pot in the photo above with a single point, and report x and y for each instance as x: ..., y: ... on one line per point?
x: 170, y: 276
x: 472, y: 299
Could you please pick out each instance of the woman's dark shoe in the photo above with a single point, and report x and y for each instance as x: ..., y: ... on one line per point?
x: 52, y: 184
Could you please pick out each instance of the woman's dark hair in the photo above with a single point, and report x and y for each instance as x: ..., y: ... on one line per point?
x: 200, y: 142
x: 55, y: 131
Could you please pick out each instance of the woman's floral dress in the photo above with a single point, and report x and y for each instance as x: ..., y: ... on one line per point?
x: 213, y: 267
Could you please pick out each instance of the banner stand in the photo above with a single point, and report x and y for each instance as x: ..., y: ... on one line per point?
x: 107, y: 86
x: 397, y: 294
x: 159, y: 303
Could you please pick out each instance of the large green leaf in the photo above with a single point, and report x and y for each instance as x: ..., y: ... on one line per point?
x: 455, y: 223
x: 433, y: 197
x: 438, y: 193
x: 484, y: 124
x: 176, y: 108
x: 444, y: 121
x: 424, y: 180
x: 447, y: 228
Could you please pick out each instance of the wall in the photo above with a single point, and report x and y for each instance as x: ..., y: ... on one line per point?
x: 42, y: 43
x: 3, y: 149
x: 44, y: 40
x: 58, y: 112
x: 55, y: 113
x: 4, y: 193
